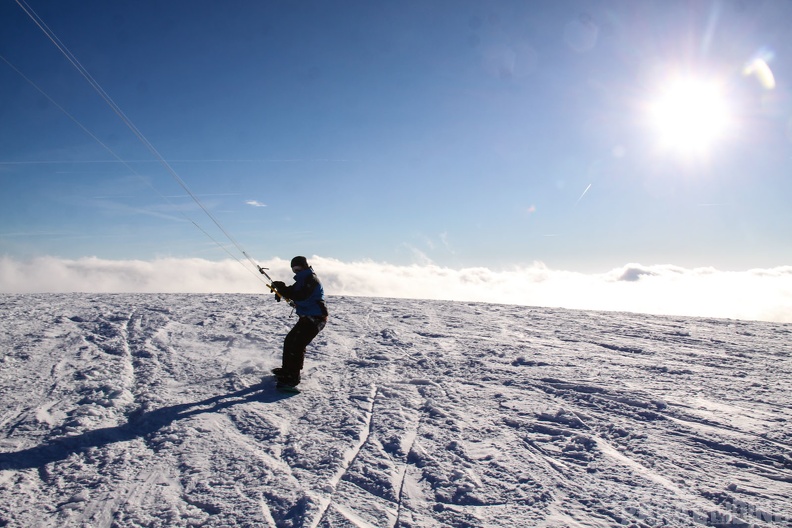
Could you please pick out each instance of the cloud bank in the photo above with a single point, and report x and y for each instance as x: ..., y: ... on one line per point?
x: 758, y: 294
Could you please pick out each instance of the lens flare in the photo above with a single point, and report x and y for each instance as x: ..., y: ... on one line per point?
x: 759, y: 69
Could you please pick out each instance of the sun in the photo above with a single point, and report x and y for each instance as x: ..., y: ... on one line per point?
x: 690, y: 116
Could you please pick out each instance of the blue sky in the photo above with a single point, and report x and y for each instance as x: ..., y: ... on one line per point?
x: 455, y: 134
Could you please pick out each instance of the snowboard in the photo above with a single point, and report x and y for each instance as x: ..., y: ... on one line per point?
x: 282, y: 386
x: 287, y: 388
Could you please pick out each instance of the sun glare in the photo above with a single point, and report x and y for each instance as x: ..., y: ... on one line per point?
x: 690, y: 116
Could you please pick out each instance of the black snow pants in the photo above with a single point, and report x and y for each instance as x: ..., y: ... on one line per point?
x: 294, y: 345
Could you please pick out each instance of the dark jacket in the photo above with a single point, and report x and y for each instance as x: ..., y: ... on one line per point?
x: 307, y: 293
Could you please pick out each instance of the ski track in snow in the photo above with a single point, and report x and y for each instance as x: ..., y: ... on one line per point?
x: 159, y: 410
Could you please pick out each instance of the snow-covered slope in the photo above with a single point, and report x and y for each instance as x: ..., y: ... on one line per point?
x: 150, y: 410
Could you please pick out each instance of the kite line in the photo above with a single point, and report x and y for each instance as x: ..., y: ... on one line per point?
x: 142, y: 138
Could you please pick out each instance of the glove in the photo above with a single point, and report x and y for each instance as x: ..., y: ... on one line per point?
x: 279, y: 287
x: 275, y: 287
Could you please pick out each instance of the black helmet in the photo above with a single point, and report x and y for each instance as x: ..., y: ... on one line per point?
x: 302, y: 262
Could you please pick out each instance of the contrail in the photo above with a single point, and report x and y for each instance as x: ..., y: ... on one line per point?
x: 584, y: 194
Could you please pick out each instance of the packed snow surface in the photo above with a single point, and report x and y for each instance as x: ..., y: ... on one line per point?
x: 160, y: 410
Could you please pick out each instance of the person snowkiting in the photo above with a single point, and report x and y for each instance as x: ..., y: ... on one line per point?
x: 307, y: 294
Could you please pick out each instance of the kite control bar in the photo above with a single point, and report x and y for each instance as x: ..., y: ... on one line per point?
x: 278, y: 295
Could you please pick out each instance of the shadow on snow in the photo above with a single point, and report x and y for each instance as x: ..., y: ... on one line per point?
x: 139, y: 424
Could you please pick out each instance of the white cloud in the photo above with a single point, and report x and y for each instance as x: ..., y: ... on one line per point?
x: 255, y: 203
x: 760, y: 294
x: 48, y: 274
